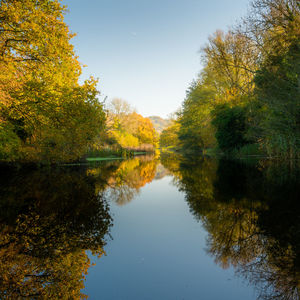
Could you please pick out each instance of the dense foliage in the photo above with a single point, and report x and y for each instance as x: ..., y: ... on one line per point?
x: 248, y: 91
x: 230, y: 124
x: 128, y: 129
x: 45, y: 114
x: 169, y: 136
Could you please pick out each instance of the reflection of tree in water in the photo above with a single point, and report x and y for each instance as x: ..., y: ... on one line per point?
x: 125, y: 183
x: 48, y: 218
x: 252, y: 215
x: 171, y: 161
x: 161, y: 172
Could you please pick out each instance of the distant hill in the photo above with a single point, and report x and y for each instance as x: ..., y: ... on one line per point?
x: 159, y: 123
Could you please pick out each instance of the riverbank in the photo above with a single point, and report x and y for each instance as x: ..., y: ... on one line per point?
x: 250, y: 151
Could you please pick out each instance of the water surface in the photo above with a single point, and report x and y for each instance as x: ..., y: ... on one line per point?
x: 149, y: 228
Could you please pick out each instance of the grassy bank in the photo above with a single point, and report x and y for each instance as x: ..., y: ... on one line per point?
x: 111, y: 154
x: 250, y: 150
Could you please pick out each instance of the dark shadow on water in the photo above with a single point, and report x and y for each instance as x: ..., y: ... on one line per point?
x: 48, y: 218
x: 251, y: 212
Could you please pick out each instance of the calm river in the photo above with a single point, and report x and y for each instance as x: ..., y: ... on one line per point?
x: 151, y: 228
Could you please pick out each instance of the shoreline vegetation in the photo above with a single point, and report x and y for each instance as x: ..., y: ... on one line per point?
x: 246, y: 99
x: 245, y: 102
x: 47, y: 116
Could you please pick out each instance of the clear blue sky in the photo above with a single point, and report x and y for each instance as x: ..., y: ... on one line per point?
x: 147, y: 51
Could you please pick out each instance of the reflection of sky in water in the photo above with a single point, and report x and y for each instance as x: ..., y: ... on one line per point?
x: 158, y: 252
x: 249, y: 214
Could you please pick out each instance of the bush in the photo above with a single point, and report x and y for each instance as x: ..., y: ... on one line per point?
x: 230, y: 124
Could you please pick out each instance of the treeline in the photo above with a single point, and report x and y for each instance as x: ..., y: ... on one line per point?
x: 126, y: 129
x: 247, y: 97
x: 46, y: 114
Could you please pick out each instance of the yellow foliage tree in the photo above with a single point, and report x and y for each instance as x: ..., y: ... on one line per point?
x: 42, y: 105
x: 130, y: 129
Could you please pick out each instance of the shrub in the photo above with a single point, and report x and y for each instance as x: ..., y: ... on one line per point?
x: 230, y: 124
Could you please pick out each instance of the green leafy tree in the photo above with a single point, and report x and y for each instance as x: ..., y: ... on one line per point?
x: 230, y: 123
x: 196, y: 132
x: 277, y: 89
x: 169, y: 136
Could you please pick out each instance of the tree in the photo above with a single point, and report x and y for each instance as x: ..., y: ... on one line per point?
x: 231, y: 62
x: 249, y: 86
x: 195, y: 132
x: 230, y: 126
x: 41, y: 101
x: 277, y: 81
x: 128, y: 128
x: 169, y: 136
x: 277, y: 88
